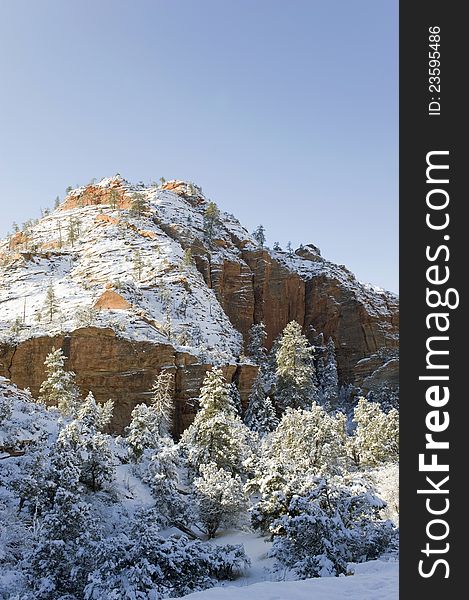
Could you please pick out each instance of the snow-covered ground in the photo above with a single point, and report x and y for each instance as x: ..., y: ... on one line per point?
x: 374, y: 580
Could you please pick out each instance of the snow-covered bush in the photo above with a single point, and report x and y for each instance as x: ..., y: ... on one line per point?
x: 289, y: 459
x: 5, y: 409
x: 162, y: 474
x: 386, y: 481
x: 61, y: 557
x: 327, y: 528
x: 219, y: 498
x: 143, y: 564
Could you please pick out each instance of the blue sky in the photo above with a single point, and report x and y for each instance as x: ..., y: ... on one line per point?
x: 285, y: 112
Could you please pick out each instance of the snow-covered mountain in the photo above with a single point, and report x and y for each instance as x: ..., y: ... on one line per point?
x: 127, y: 279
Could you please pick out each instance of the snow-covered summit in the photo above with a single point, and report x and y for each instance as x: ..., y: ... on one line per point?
x: 108, y: 265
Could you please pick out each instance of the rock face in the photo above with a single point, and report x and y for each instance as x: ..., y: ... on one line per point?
x: 111, y: 300
x: 113, y: 367
x: 169, y: 297
x: 263, y: 289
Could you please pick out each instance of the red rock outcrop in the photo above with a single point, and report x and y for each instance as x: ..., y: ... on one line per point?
x: 262, y: 289
x: 113, y: 367
x: 94, y: 195
x: 111, y: 300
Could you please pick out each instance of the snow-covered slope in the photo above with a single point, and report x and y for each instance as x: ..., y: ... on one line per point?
x: 375, y: 579
x: 130, y: 255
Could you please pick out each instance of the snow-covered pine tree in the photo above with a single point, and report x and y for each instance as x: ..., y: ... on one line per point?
x: 306, y: 444
x: 259, y: 235
x: 162, y: 402
x: 59, y: 388
x: 376, y: 437
x: 235, y: 398
x: 91, y: 448
x: 94, y: 415
x: 260, y: 415
x: 295, y: 369
x: 51, y: 304
x: 219, y: 498
x: 256, y: 344
x: 150, y: 425
x: 329, y: 378
x: 143, y: 430
x: 211, y: 220
x: 217, y: 433
x: 320, y: 448
x: 139, y: 204
x: 98, y: 467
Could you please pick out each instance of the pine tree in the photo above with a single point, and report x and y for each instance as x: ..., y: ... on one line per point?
x: 211, y: 220
x: 57, y: 202
x: 138, y: 204
x: 309, y: 441
x: 289, y: 250
x: 92, y: 446
x: 98, y: 463
x: 163, y: 477
x: 329, y: 378
x: 305, y: 445
x: 143, y: 431
x: 260, y: 415
x: 256, y: 344
x: 150, y: 426
x: 162, y: 402
x: 59, y: 388
x: 376, y: 437
x: 277, y: 247
x: 219, y: 498
x: 295, y: 369
x: 94, y: 415
x: 188, y: 258
x: 113, y: 198
x: 259, y: 236
x: 138, y: 264
x: 51, y: 305
x: 73, y: 230
x: 217, y: 434
x: 235, y: 398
